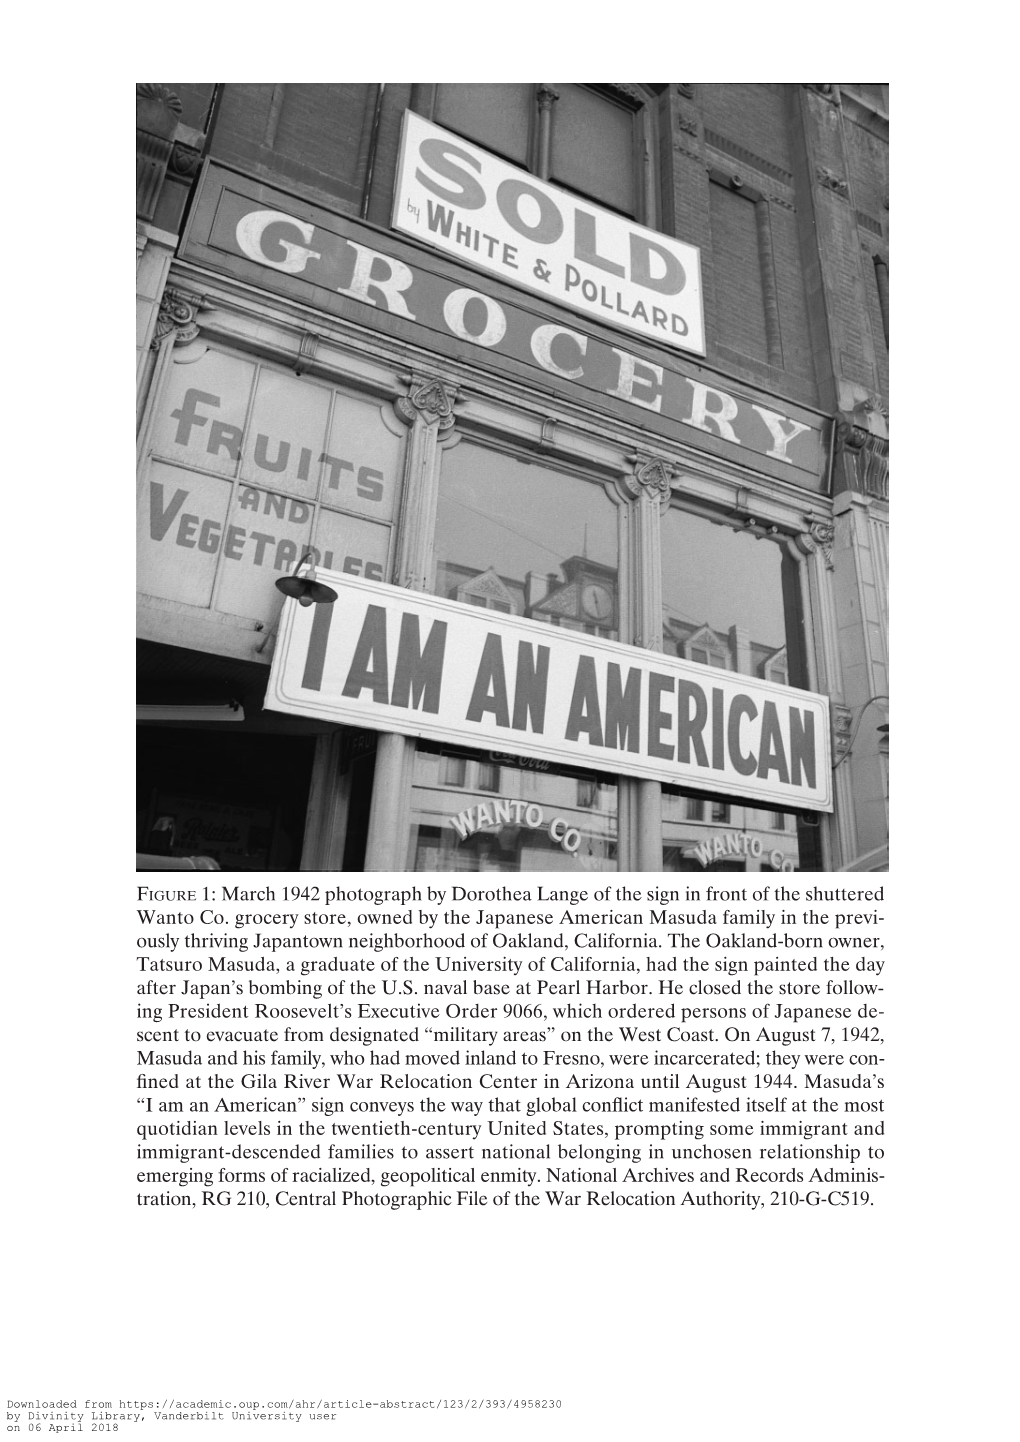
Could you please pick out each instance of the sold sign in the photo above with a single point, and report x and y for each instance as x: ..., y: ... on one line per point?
x: 459, y: 199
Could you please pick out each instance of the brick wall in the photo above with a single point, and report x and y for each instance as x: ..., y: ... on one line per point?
x: 316, y: 140
x: 313, y: 138
x: 195, y: 102
x: 736, y: 267
x: 754, y: 116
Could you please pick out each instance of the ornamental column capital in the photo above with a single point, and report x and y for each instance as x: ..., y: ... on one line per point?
x: 429, y: 399
x: 652, y: 477
x: 178, y: 311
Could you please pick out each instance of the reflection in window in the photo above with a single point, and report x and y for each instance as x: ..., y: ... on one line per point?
x: 488, y: 776
x: 454, y: 770
x: 587, y: 793
x: 524, y: 539
x: 730, y: 599
x: 528, y: 821
x: 737, y: 837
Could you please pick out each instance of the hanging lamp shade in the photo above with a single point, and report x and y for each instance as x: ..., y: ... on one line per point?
x: 306, y: 590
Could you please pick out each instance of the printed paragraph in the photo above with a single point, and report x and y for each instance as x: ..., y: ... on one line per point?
x: 420, y: 1047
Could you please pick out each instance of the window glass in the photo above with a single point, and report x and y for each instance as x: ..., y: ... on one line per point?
x: 732, y: 601
x: 284, y: 442
x: 593, y: 147
x: 496, y: 116
x: 252, y: 465
x: 532, y: 822
x: 729, y: 599
x: 180, y: 525
x: 526, y: 540
x: 715, y: 835
x: 203, y: 410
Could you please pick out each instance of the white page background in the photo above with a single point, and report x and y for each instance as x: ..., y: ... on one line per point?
x: 891, y: 1322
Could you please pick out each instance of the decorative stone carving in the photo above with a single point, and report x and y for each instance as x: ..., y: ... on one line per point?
x: 687, y: 91
x: 184, y: 161
x: 819, y: 536
x: 831, y: 181
x: 429, y: 398
x: 161, y: 93
x: 867, y: 458
x: 828, y: 91
x: 651, y: 475
x: 546, y: 96
x: 842, y: 718
x: 178, y: 311
x: 687, y: 123
x: 157, y: 111
x: 872, y: 405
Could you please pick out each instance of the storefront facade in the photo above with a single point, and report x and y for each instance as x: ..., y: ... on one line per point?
x: 341, y: 383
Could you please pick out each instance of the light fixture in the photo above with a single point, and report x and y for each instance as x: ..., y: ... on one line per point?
x: 306, y: 590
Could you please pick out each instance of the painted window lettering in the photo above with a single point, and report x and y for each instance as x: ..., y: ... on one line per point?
x: 227, y: 439
x: 259, y: 548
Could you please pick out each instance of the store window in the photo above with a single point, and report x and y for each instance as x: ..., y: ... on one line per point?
x: 538, y: 542
x: 530, y: 541
x: 585, y: 138
x: 731, y: 600
x: 710, y: 834
x: 250, y: 467
x: 532, y: 822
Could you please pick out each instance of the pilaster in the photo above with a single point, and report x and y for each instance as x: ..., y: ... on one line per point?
x: 859, y: 590
x: 649, y: 487
x: 427, y: 410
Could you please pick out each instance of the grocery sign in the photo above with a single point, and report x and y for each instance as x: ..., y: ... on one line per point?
x: 337, y: 266
x: 392, y: 660
x: 467, y: 203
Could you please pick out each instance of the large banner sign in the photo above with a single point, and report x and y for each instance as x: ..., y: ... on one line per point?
x: 393, y: 660
x: 466, y: 202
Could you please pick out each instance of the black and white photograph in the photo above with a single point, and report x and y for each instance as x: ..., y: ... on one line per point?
x: 514, y: 477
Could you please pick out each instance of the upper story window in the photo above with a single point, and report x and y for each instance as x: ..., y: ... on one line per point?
x: 588, y: 139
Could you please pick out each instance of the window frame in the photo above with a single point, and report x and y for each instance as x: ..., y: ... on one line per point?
x: 640, y: 100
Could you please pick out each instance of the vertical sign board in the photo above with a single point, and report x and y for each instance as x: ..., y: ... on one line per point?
x: 467, y: 203
x: 393, y: 660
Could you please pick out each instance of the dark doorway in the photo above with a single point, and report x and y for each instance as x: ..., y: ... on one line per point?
x: 237, y: 797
